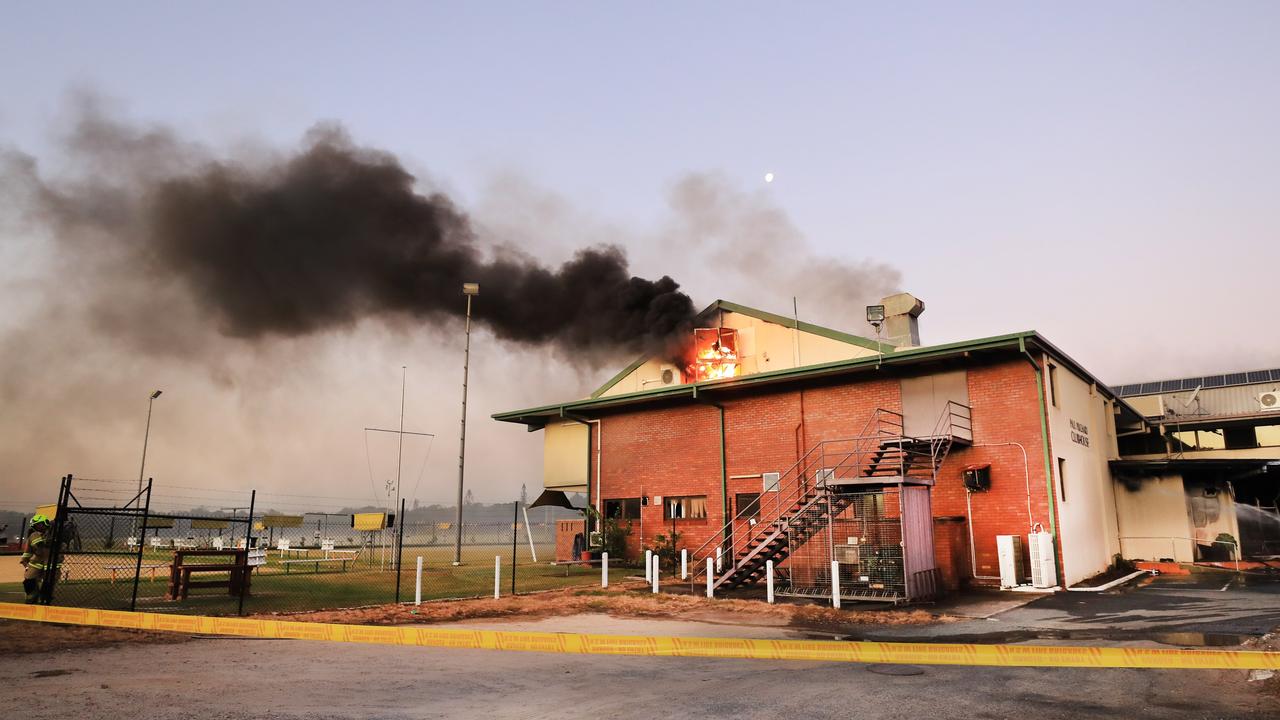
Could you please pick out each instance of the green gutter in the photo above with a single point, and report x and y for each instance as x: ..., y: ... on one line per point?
x: 1048, y: 464
x: 1011, y: 341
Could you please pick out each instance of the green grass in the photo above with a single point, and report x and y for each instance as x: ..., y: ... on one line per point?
x: 365, y: 582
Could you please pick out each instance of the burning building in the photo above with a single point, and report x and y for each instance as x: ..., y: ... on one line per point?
x: 886, y: 469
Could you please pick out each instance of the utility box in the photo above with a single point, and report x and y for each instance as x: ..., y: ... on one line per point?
x: 977, y: 477
x: 1009, y: 550
x: 1044, y: 568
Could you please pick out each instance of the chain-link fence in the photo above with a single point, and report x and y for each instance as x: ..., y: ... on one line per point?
x: 249, y: 553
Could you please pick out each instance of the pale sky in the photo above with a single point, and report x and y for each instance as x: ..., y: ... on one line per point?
x: 1105, y: 173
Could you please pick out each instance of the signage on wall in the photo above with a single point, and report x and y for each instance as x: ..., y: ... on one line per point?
x: 1079, y: 433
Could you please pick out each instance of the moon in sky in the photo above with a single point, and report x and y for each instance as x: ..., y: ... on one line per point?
x: 768, y: 177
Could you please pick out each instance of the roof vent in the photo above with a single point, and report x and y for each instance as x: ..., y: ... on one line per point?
x: 901, y: 327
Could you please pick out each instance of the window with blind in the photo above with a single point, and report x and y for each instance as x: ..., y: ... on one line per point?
x: 690, y: 507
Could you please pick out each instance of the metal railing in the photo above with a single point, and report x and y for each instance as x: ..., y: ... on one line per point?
x: 881, y: 450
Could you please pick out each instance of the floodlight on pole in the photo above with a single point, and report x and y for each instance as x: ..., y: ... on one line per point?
x: 469, y: 290
x: 146, y: 436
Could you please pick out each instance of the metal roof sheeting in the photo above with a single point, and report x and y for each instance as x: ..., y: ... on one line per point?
x: 1253, y: 377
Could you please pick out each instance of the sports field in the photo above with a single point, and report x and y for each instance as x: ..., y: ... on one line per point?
x: 296, y: 582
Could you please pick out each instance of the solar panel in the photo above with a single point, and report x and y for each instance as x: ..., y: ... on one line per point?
x: 1191, y: 383
x: 1171, y: 386
x: 1258, y: 376
x: 1214, y: 381
x: 1237, y: 378
x: 1151, y: 387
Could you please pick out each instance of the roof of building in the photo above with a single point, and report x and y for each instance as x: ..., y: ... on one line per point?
x: 539, y: 416
x: 1207, y: 382
x: 776, y: 319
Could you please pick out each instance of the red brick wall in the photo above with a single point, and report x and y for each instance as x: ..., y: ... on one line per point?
x: 1005, y: 410
x: 673, y: 451
x: 565, y: 530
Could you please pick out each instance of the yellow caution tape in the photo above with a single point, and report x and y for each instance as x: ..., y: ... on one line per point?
x: 808, y: 650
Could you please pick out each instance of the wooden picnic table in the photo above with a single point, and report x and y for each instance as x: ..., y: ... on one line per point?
x: 239, y: 572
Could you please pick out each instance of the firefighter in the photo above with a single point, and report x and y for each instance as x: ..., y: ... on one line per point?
x: 35, y: 557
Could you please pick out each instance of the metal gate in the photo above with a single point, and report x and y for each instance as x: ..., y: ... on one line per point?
x: 880, y: 545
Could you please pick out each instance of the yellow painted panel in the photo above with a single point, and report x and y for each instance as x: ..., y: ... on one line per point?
x: 369, y: 521
x: 565, y: 463
x: 281, y: 521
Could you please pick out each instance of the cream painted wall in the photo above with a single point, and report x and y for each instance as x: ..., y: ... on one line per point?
x: 1153, y: 520
x: 1087, y: 522
x: 762, y: 346
x: 564, y: 457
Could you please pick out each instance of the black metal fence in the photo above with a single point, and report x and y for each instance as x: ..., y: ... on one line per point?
x: 124, y: 548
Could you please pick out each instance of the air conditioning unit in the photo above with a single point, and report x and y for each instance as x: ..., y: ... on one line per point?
x: 1269, y: 401
x: 669, y: 375
x: 1009, y: 550
x: 1044, y: 569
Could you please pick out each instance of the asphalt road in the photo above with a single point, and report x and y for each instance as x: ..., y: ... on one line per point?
x: 231, y: 679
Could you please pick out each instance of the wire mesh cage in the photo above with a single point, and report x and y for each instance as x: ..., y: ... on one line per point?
x: 863, y: 543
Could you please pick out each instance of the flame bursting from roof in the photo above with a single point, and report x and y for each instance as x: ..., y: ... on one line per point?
x: 715, y: 354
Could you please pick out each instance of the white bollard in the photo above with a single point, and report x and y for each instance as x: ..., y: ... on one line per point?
x: 768, y: 576
x: 417, y: 585
x: 655, y: 573
x: 710, y: 577
x: 719, y: 564
x: 648, y: 566
x: 497, y: 576
x: 835, y: 584
x: 604, y: 570
x: 684, y: 563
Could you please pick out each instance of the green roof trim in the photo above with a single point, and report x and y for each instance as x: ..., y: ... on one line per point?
x: 537, y: 416
x: 618, y: 378
x: 766, y: 317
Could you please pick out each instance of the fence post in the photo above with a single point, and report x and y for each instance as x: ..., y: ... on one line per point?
x: 684, y: 563
x: 655, y: 572
x: 515, y: 524
x: 719, y: 553
x: 604, y: 569
x: 497, y: 576
x: 55, y: 554
x: 768, y: 574
x: 399, y: 550
x: 710, y: 577
x: 648, y: 566
x: 248, y: 545
x: 142, y: 544
x: 417, y: 585
x: 835, y: 584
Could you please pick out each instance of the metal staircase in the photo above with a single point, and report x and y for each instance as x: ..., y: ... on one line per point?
x: 809, y: 493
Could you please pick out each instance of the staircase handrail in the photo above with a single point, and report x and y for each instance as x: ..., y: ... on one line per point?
x: 799, y: 470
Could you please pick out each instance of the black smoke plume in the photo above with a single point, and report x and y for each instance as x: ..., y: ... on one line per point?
x: 333, y: 233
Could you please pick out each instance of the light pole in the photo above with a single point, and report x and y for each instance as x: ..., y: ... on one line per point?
x: 468, y: 289
x: 145, y: 437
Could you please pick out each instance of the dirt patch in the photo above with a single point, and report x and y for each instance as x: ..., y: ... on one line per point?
x: 622, y: 602
x: 18, y: 637
x: 1270, y: 642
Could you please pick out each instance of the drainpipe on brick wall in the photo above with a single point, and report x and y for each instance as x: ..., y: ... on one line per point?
x: 724, y: 466
x: 1048, y: 463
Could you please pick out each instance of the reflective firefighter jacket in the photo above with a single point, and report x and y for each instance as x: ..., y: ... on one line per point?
x: 38, y: 550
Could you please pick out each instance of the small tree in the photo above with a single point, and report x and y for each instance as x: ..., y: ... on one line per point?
x: 613, y: 535
x: 666, y: 547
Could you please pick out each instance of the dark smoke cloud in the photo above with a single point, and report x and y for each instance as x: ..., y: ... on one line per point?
x: 331, y: 234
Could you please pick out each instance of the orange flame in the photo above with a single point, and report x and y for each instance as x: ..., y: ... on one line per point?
x: 715, y: 355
